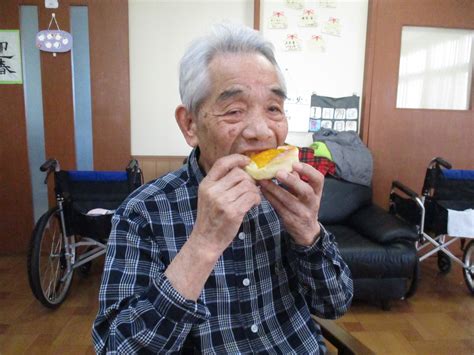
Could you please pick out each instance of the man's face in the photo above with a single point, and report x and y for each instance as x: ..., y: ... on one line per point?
x: 244, y: 112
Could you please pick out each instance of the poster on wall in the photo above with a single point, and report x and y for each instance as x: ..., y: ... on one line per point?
x: 10, y: 57
x: 340, y: 114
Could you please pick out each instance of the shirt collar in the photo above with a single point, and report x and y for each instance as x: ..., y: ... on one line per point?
x: 194, y: 170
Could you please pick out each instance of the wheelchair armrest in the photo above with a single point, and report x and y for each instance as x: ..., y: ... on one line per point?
x: 405, y: 189
x: 380, y: 226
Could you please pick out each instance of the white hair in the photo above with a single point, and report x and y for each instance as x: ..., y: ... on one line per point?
x: 194, y: 81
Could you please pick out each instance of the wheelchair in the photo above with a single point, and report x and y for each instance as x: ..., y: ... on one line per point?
x: 444, y: 190
x: 75, y: 231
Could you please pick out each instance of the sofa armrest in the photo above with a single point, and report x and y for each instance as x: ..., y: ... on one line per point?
x: 380, y: 226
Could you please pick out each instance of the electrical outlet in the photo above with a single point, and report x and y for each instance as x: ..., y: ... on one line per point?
x: 51, y: 4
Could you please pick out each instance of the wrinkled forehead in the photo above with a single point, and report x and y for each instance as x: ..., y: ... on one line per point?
x: 233, y: 74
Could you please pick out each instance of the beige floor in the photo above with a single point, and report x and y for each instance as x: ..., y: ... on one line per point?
x: 439, y: 319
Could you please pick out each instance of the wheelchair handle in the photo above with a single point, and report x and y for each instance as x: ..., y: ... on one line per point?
x: 442, y: 162
x: 132, y: 165
x: 404, y: 188
x: 50, y: 164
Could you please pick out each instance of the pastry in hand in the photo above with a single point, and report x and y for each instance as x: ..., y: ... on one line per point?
x: 265, y: 164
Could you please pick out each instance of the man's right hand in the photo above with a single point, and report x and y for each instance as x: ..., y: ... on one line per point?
x: 225, y: 195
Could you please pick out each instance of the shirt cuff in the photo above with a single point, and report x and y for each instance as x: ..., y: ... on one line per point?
x: 324, y: 243
x: 171, y: 305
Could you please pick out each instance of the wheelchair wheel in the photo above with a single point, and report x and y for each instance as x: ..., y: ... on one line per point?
x: 468, y: 260
x: 47, y: 261
x: 444, y: 263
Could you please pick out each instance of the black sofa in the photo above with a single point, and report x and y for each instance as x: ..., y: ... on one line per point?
x: 378, y: 247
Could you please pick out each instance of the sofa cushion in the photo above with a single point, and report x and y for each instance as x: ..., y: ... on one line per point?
x: 367, y: 259
x: 340, y: 199
x: 380, y: 226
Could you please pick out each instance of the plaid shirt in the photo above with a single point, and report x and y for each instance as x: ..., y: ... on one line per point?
x: 258, y: 299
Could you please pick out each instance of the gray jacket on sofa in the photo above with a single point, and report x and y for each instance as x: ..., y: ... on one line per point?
x: 352, y: 158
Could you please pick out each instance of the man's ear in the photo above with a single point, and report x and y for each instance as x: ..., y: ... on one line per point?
x: 187, y: 124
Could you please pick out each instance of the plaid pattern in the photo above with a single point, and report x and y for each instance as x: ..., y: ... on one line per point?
x: 258, y: 298
x: 324, y: 165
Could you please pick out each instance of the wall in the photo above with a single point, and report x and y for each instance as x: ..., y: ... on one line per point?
x: 337, y: 71
x: 159, y: 33
x: 161, y: 30
x: 53, y: 109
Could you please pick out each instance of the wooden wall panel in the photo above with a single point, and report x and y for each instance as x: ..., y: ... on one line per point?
x: 110, y: 83
x: 58, y: 111
x: 403, y: 141
x: 16, y: 217
x: 156, y: 166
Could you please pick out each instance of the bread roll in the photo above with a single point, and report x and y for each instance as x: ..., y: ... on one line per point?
x: 264, y: 165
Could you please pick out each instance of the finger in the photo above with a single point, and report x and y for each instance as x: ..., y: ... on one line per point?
x: 314, y: 178
x: 233, y: 178
x: 245, y: 202
x: 225, y: 164
x: 295, y: 185
x: 280, y: 207
x: 243, y: 187
x: 286, y: 199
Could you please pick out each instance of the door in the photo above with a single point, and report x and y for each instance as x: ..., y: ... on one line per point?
x: 403, y: 141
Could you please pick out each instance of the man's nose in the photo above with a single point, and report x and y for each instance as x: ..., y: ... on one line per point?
x: 257, y: 127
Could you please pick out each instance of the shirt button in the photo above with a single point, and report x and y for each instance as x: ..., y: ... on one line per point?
x: 254, y: 328
x: 246, y: 282
x: 241, y: 235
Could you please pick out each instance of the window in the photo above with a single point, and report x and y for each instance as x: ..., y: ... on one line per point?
x: 436, y: 66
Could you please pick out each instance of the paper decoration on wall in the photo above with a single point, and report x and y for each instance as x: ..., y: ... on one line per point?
x: 308, y: 18
x: 278, y: 20
x: 317, y: 44
x: 292, y: 42
x: 332, y: 27
x: 297, y: 111
x: 10, y: 57
x: 328, y: 3
x: 295, y: 4
x: 340, y: 114
x: 54, y: 41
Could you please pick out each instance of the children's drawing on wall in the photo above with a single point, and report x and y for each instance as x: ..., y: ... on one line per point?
x: 316, y: 43
x: 308, y: 18
x: 328, y: 3
x: 340, y: 114
x: 295, y: 4
x: 292, y: 42
x: 332, y: 27
x: 278, y: 20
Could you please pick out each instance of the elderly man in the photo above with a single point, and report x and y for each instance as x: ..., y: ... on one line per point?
x: 206, y: 259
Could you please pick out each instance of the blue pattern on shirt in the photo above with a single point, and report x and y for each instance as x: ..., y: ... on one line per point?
x: 269, y: 312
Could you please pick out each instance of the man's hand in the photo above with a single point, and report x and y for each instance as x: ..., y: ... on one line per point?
x: 298, y: 206
x: 225, y: 195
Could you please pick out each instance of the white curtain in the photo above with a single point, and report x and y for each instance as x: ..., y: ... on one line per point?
x: 436, y: 67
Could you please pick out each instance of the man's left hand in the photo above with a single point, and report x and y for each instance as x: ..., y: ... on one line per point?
x: 298, y: 204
